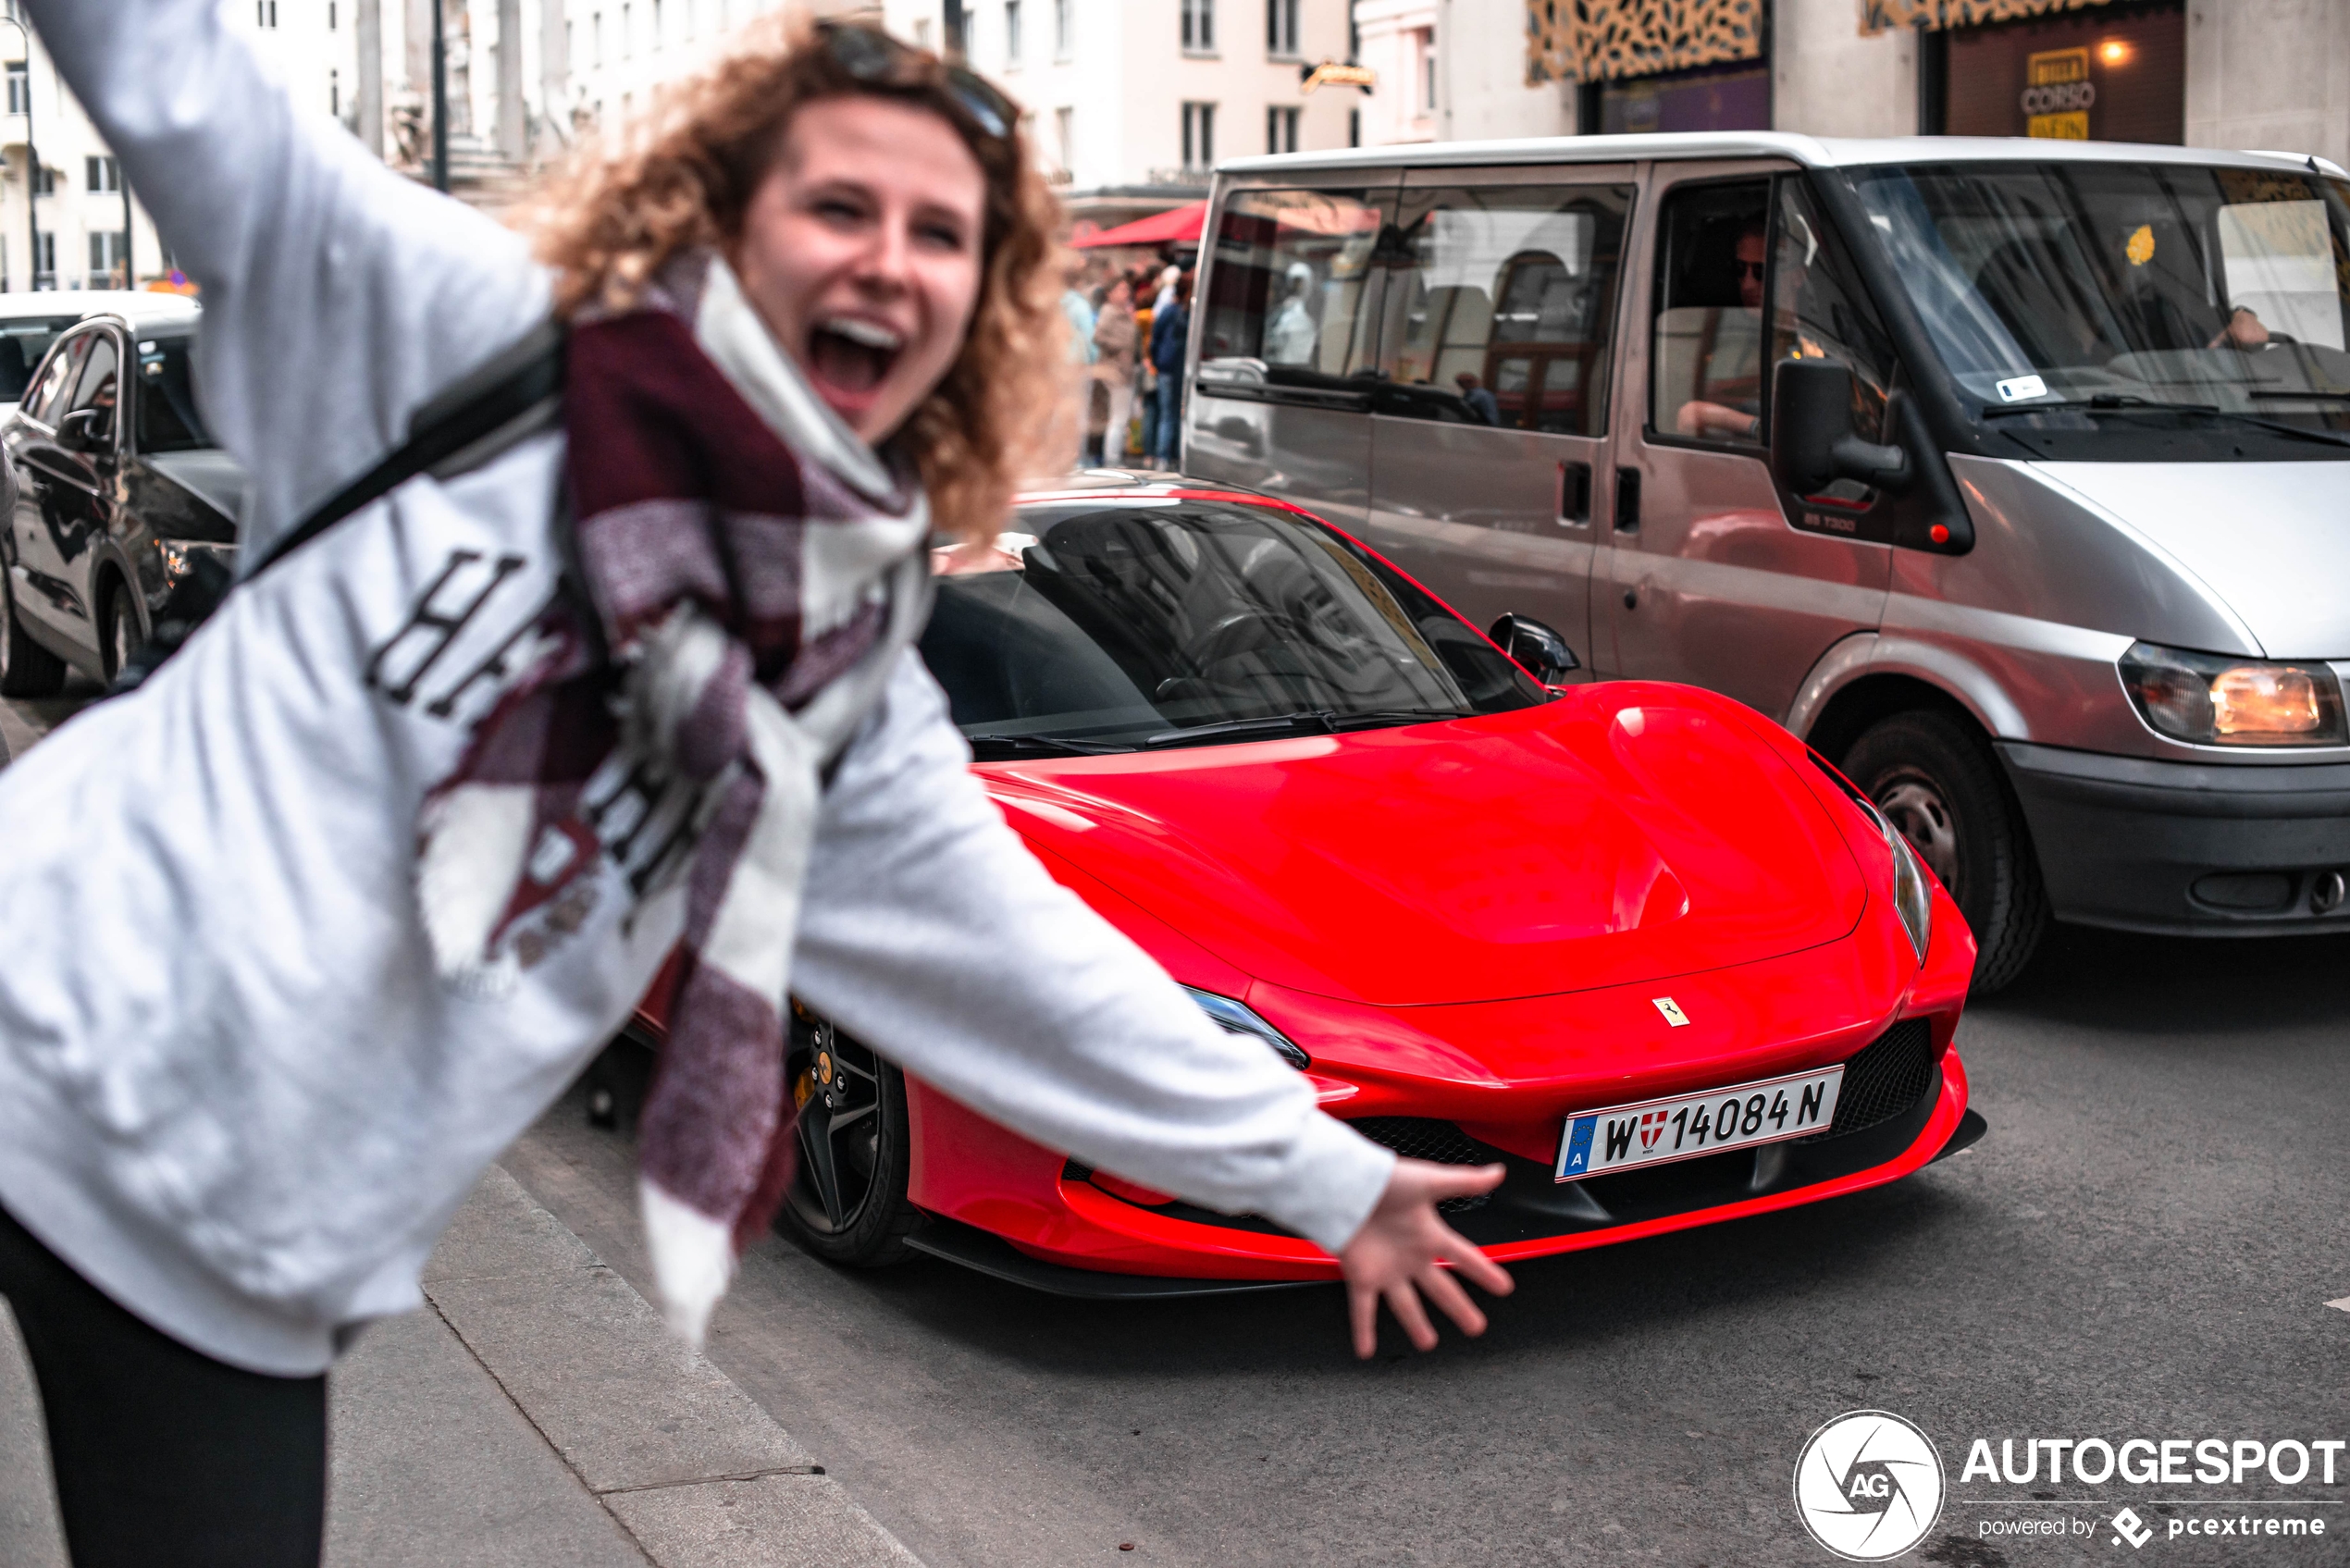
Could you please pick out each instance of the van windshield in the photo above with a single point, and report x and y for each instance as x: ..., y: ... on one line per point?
x: 2117, y: 310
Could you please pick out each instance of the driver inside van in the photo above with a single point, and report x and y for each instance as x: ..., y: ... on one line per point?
x: 1738, y: 334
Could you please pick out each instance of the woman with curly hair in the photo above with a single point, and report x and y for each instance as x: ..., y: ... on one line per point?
x: 323, y: 914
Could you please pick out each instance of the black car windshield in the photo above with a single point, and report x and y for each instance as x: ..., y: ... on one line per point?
x: 167, y: 417
x: 23, y: 339
x: 2109, y: 309
x: 1118, y: 624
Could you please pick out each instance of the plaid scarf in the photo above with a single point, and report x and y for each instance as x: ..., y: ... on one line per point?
x: 753, y: 570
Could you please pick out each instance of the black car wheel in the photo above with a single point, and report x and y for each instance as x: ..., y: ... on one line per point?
x: 122, y: 632
x: 27, y: 669
x: 848, y: 1199
x: 1936, y: 779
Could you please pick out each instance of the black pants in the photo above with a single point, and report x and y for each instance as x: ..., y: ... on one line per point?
x: 163, y: 1456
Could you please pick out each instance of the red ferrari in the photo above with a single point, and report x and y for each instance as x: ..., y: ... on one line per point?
x: 1632, y: 940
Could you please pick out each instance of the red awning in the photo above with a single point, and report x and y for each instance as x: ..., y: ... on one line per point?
x: 1177, y: 226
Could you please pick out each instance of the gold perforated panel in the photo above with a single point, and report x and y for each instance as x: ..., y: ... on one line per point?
x: 1608, y: 40
x: 1878, y: 14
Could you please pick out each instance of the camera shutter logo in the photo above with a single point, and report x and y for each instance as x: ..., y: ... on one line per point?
x: 1868, y: 1485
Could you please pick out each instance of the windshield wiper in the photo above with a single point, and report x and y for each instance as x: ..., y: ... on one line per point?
x: 2129, y: 402
x: 1315, y: 720
x: 1039, y: 746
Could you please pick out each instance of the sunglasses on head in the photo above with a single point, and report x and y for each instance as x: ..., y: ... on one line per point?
x: 875, y: 59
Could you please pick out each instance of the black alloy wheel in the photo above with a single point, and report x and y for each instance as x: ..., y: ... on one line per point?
x: 27, y: 669
x: 848, y: 1201
x: 1936, y: 779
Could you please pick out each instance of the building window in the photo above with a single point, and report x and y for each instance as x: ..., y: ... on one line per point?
x: 595, y: 39
x: 1065, y: 128
x: 45, y: 181
x: 264, y: 13
x: 1281, y: 130
x: 1064, y: 29
x: 655, y: 46
x: 1199, y: 26
x: 628, y: 31
x: 334, y: 93
x: 1426, y: 38
x: 45, y: 261
x: 104, y: 174
x: 106, y: 259
x: 19, y: 87
x: 1199, y: 136
x: 330, y: 16
x: 1280, y: 29
x: 922, y: 32
x: 1355, y: 128
x: 1011, y: 32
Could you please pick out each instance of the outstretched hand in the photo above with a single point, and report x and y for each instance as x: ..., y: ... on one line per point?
x: 1394, y: 1256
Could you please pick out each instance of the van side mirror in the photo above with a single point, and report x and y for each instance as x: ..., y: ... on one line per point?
x: 1812, y: 443
x: 1540, y: 651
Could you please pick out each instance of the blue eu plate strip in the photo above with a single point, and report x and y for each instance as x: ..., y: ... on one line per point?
x: 1578, y: 1149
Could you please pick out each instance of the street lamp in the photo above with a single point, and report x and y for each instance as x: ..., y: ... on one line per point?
x: 32, y: 167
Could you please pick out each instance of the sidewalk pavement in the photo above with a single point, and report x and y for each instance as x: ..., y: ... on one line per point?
x: 537, y: 1411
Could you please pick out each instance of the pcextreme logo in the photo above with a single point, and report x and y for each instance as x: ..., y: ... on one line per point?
x: 1868, y: 1485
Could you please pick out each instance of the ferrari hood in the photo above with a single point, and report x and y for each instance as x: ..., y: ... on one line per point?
x: 1624, y: 832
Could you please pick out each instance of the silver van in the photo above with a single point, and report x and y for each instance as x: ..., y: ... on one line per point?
x: 2013, y: 475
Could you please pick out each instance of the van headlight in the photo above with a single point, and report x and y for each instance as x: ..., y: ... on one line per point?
x: 2214, y: 700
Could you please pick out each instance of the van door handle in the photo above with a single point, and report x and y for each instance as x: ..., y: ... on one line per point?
x: 1628, y: 500
x: 1575, y: 493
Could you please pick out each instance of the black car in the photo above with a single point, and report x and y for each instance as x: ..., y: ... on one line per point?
x: 114, y: 526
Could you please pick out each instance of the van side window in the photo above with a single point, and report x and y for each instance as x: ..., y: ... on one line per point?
x: 1287, y: 297
x: 1819, y: 309
x: 1705, y: 364
x: 1502, y: 305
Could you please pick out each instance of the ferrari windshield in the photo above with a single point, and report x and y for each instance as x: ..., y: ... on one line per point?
x: 2071, y: 301
x: 1119, y: 624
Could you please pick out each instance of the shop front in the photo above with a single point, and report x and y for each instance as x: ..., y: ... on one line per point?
x: 1644, y: 65
x: 2080, y: 70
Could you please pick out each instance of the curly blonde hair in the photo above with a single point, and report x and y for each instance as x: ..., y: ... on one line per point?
x: 682, y: 176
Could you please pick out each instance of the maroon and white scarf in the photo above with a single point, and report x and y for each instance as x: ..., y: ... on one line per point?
x: 754, y: 569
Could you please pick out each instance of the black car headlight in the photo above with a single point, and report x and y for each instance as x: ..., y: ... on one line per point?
x: 2211, y: 699
x: 1238, y: 1018
x: 1912, y: 890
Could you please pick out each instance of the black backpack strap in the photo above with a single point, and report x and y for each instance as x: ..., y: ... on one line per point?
x: 515, y: 395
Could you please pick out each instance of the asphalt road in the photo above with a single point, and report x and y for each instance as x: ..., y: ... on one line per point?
x: 2143, y: 1246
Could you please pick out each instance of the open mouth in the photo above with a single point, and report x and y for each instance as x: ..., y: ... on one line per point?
x: 849, y: 358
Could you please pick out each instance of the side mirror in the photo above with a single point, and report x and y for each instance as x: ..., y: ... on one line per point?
x: 1813, y: 444
x: 1542, y: 652
x: 85, y: 429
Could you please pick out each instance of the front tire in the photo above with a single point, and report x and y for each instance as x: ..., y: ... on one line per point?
x: 846, y: 1202
x: 122, y: 633
x: 1936, y: 779
x: 27, y: 669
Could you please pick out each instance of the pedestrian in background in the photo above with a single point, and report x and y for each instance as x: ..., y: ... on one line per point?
x: 1170, y: 333
x: 338, y: 901
x: 1114, y: 350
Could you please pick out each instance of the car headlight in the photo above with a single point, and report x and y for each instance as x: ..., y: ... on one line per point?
x: 1912, y: 892
x: 2215, y: 700
x: 1236, y: 1018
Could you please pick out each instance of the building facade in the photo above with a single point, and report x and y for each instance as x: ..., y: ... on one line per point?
x: 2271, y: 74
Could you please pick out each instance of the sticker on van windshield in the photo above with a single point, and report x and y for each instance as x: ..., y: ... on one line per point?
x: 2016, y: 389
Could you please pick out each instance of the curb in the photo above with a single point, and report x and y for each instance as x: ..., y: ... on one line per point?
x: 695, y: 1472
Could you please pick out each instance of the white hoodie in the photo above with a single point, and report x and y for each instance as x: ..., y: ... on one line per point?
x: 233, y: 1094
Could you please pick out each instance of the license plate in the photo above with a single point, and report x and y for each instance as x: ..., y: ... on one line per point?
x: 1659, y: 1131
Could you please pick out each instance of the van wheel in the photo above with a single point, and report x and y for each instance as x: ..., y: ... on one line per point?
x: 848, y: 1199
x: 1936, y: 779
x: 27, y: 669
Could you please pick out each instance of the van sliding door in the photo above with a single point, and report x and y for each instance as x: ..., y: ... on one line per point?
x: 1490, y: 417
x: 1281, y: 397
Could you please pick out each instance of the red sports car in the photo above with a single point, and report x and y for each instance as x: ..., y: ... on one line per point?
x: 1631, y: 940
